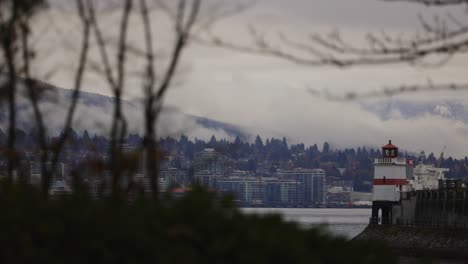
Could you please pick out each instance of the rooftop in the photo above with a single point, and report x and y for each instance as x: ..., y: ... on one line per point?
x: 390, y: 145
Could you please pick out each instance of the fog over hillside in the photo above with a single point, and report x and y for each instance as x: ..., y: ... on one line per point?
x: 94, y: 113
x: 413, y: 125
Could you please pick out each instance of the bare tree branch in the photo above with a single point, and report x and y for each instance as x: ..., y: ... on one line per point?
x: 185, y: 18
x: 116, y: 83
x: 334, y: 51
x: 433, y: 2
x: 48, y: 160
x: 33, y: 90
x: 8, y: 38
x: 101, y: 43
x: 441, y: 39
x: 183, y: 33
x: 82, y: 62
x: 149, y: 141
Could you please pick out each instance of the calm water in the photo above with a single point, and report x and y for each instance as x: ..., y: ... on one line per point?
x: 345, y: 222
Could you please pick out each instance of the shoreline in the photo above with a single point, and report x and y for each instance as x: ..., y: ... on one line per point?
x: 442, y: 243
x: 306, y: 207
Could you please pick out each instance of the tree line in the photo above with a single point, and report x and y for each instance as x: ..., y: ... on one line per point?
x: 257, y: 157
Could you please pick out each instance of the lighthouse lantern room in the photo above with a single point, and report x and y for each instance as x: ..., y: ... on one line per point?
x: 389, y: 182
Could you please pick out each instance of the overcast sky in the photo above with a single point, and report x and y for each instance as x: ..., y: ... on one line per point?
x: 270, y: 97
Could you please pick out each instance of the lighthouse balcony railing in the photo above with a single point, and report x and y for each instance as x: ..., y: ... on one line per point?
x: 398, y: 161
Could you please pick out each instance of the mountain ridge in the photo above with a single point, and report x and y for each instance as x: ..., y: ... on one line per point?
x: 93, y: 114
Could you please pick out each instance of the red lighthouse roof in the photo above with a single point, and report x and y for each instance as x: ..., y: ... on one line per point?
x: 390, y: 150
x: 390, y: 145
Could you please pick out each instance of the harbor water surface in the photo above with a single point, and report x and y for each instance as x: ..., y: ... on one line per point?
x: 340, y: 221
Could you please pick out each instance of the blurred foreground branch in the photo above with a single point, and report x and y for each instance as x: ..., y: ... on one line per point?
x: 433, y: 2
x: 50, y: 151
x: 13, y: 14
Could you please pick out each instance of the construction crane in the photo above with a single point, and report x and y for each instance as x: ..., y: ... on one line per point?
x: 441, y: 157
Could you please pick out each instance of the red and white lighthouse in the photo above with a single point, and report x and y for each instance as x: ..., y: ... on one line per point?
x: 389, y: 181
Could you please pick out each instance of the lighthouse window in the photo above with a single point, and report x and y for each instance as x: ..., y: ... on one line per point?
x: 392, y: 152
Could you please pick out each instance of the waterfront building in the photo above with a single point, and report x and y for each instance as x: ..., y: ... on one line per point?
x: 340, y: 186
x: 208, y: 166
x: 249, y: 191
x: 313, y: 183
x: 61, y: 173
x: 35, y: 173
x: 361, y: 198
x: 263, y: 191
x: 174, y: 177
x: 241, y: 173
x: 284, y: 193
x: 59, y: 187
x: 163, y: 184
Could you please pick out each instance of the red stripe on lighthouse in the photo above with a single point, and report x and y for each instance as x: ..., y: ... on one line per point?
x: 389, y: 181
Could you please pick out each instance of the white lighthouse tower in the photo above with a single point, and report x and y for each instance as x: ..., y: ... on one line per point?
x: 389, y: 181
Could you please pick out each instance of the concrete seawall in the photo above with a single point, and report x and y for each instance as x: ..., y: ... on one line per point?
x: 420, y: 241
x: 440, y: 207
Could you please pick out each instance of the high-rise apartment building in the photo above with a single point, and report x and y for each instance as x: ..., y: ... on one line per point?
x: 248, y: 191
x: 174, y: 176
x: 208, y: 166
x: 313, y: 184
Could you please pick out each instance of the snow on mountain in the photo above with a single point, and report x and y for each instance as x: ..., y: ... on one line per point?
x: 442, y: 110
x: 394, y: 109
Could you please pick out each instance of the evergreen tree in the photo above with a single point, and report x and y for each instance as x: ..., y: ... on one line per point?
x: 86, y: 136
x: 326, y: 147
x: 258, y: 143
x: 212, y: 141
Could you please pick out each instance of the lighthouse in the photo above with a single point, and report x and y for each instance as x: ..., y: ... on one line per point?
x: 389, y: 181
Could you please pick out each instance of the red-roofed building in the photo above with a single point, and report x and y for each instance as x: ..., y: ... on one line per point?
x: 390, y: 150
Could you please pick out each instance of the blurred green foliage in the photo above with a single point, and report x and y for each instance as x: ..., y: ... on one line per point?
x: 198, y: 228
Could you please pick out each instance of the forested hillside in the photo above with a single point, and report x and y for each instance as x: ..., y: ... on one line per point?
x: 261, y: 157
